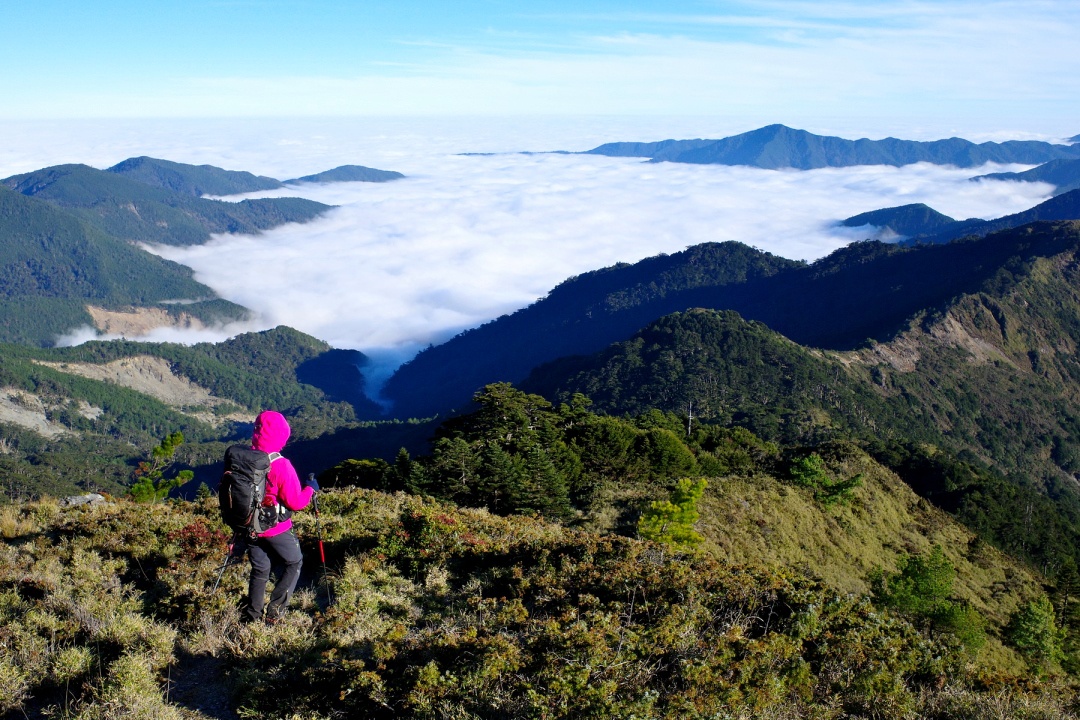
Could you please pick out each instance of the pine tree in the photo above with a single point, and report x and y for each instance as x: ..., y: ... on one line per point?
x: 1034, y: 633
x: 671, y: 522
x: 151, y: 484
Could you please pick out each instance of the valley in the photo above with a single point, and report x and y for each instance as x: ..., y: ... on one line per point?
x: 884, y: 410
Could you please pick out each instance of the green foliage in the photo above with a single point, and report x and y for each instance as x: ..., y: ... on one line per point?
x: 921, y: 589
x: 519, y: 454
x: 151, y: 485
x: 441, y: 612
x: 671, y: 522
x: 810, y: 472
x: 356, y: 473
x: 920, y: 585
x: 1032, y: 630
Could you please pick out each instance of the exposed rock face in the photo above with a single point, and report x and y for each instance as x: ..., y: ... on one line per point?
x: 139, y: 321
x: 153, y: 376
x: 27, y: 410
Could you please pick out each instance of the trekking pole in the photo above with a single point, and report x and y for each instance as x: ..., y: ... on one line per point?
x: 322, y: 553
x: 224, y: 565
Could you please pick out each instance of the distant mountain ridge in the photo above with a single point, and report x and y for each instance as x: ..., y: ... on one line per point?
x: 133, y: 210
x: 348, y: 173
x: 201, y: 180
x: 1064, y: 175
x: 192, y: 179
x: 921, y: 224
x: 778, y: 146
x: 581, y: 314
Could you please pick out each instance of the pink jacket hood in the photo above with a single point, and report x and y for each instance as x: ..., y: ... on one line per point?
x: 271, y: 432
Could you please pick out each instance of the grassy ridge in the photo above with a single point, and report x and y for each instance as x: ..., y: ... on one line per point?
x: 441, y: 612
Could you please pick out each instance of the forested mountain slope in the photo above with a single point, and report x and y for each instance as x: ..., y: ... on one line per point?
x: 132, y: 210
x: 582, y: 314
x: 993, y: 377
x: 79, y: 418
x: 863, y: 291
x: 192, y: 179
x: 53, y: 264
x: 778, y: 146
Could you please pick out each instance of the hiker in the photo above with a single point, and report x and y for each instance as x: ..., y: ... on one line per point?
x: 275, y: 547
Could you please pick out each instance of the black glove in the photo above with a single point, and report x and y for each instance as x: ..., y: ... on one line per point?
x: 311, y: 482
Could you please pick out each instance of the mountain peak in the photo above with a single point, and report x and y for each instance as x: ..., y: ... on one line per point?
x: 191, y: 179
x: 908, y: 220
x: 348, y: 173
x: 778, y: 146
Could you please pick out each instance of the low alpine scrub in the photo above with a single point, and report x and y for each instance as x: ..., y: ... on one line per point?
x: 441, y: 612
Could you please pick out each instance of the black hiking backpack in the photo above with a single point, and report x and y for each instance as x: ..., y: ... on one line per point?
x: 242, y: 492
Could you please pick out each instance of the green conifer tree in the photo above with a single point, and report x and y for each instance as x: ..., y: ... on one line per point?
x: 151, y: 484
x: 1033, y: 631
x: 671, y: 522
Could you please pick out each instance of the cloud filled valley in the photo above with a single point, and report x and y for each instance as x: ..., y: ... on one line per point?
x: 399, y: 265
x: 466, y: 238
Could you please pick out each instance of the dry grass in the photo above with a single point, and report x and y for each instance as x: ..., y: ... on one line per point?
x: 763, y: 521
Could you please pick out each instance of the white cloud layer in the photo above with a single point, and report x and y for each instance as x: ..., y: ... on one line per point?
x: 466, y: 238
x: 402, y: 264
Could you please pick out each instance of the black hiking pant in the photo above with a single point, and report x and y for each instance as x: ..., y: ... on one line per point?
x: 280, y: 553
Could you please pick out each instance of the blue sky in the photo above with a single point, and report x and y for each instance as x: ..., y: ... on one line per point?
x: 1015, y: 64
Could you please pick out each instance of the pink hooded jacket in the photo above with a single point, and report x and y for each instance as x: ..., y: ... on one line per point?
x: 282, y: 484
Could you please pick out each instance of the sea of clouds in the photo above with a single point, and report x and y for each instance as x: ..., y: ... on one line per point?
x: 468, y: 237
